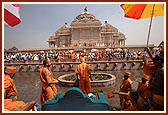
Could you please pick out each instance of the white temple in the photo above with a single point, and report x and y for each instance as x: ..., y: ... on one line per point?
x: 85, y: 29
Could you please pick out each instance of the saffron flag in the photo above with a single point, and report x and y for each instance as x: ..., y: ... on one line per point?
x: 12, y: 14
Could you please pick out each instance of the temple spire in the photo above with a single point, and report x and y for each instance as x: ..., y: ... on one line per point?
x: 85, y: 10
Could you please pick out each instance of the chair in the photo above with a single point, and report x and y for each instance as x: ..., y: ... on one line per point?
x: 75, y: 100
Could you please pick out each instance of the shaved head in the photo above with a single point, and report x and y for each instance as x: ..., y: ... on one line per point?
x: 46, y: 62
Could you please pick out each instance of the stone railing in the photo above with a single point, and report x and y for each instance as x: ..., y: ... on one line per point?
x: 116, y: 65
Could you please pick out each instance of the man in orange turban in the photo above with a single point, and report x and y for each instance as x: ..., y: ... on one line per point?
x: 9, y: 86
x: 143, y: 87
x: 10, y: 90
x: 48, y: 90
x: 125, y: 86
x: 83, y: 73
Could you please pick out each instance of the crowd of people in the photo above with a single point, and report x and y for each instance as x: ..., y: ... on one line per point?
x: 148, y: 96
x: 76, y: 56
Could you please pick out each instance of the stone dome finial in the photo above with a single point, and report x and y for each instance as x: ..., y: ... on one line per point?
x: 85, y: 10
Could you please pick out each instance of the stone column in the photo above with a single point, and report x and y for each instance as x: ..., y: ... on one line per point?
x: 79, y: 33
x: 122, y: 42
x: 91, y: 28
x: 100, y: 34
x: 72, y: 37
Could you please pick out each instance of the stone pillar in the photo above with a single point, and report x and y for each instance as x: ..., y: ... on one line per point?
x: 99, y: 32
x: 79, y: 33
x: 91, y: 28
x: 72, y: 39
x: 122, y: 42
x: 55, y: 44
x: 50, y: 44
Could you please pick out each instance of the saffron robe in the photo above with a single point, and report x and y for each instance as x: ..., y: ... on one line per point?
x: 84, y: 81
x: 48, y: 91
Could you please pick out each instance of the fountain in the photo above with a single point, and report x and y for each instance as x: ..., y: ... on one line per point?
x: 99, y: 79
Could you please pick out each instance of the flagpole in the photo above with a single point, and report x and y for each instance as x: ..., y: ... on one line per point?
x: 150, y: 24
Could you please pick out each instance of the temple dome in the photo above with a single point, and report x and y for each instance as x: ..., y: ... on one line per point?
x: 64, y: 30
x: 121, y: 35
x: 109, y: 28
x: 85, y: 19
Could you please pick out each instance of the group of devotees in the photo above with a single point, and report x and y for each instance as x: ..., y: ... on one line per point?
x: 149, y: 95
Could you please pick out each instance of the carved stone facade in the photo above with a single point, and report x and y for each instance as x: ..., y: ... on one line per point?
x: 85, y: 29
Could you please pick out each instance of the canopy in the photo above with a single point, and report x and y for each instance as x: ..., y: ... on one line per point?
x: 94, y: 50
x: 71, y: 51
x: 118, y: 49
x: 108, y: 49
x: 41, y: 51
x: 50, y: 51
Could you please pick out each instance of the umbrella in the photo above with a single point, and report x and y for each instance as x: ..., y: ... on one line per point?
x: 50, y: 51
x: 125, y: 49
x: 118, y: 49
x: 94, y: 50
x: 155, y: 48
x: 41, y: 51
x: 107, y: 49
x: 71, y: 51
x: 140, y: 11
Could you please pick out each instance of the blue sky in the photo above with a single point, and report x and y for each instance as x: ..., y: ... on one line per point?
x: 40, y: 21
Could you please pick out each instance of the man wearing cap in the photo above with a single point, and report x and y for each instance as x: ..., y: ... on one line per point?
x: 10, y: 90
x: 48, y: 90
x: 143, y: 87
x: 83, y: 74
x: 9, y: 86
x: 125, y: 86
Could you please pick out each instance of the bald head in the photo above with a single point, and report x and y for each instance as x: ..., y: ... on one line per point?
x: 47, y: 63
